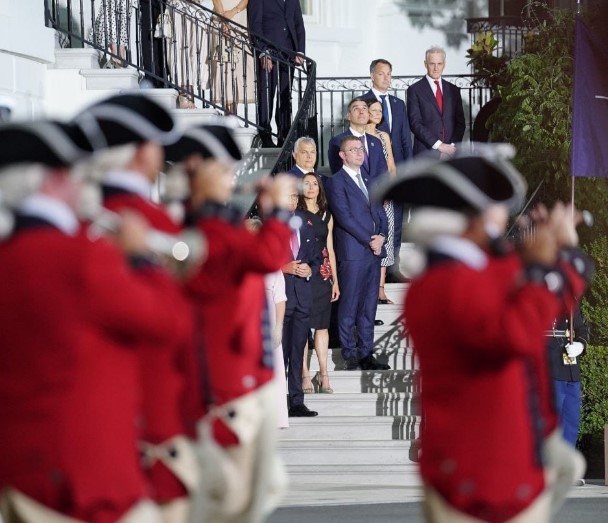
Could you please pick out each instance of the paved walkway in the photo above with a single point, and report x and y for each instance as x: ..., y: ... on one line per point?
x: 303, y: 495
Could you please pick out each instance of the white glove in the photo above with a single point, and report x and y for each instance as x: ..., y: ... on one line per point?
x: 574, y: 349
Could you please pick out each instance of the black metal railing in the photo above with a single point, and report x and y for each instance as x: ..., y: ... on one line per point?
x: 213, y: 62
x: 334, y: 94
x: 509, y: 32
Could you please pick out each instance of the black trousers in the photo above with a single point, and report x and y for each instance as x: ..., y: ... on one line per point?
x: 280, y: 78
x: 296, y: 325
x: 152, y: 49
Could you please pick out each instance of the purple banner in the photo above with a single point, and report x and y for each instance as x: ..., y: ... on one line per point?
x: 590, y: 105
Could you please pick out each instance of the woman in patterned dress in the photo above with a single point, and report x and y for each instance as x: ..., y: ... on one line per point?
x: 375, y: 119
x: 111, y: 30
x: 186, y: 37
x: 325, y: 289
x: 232, y: 82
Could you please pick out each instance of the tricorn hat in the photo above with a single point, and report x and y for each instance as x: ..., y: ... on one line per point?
x: 214, y: 140
x: 46, y: 142
x: 126, y: 118
x: 467, y: 182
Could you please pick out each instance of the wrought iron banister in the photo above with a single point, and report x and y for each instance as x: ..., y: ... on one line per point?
x: 334, y: 94
x: 210, y: 60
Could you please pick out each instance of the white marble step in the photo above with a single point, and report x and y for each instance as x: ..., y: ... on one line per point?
x: 399, y: 358
x: 338, y: 452
x: 390, y: 314
x: 364, y: 404
x: 372, y: 381
x: 343, y: 428
x: 401, y: 475
x: 396, y: 292
x: 85, y: 58
x: 103, y: 79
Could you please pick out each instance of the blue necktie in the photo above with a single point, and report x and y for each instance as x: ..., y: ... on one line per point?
x: 385, y: 114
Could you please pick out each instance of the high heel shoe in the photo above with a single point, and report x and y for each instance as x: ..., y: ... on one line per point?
x: 318, y: 379
x: 307, y: 389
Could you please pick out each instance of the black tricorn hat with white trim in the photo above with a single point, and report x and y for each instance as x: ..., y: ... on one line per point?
x: 124, y: 119
x: 468, y: 182
x: 215, y: 140
x: 46, y: 142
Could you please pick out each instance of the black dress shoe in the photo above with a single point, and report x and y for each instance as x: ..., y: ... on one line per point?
x: 371, y: 363
x: 378, y: 322
x: 351, y: 364
x: 301, y: 411
x: 266, y: 140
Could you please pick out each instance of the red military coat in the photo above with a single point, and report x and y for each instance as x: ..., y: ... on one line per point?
x: 169, y: 377
x: 228, y: 293
x: 72, y: 317
x: 479, y: 336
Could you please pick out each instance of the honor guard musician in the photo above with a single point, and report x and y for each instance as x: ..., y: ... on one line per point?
x: 477, y: 321
x: 129, y: 131
x: 74, y: 312
x: 568, y: 338
x: 241, y: 474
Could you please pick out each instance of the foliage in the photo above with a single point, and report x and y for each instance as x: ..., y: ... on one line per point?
x: 594, y: 382
x: 491, y: 69
x: 536, y: 110
x: 536, y: 116
x: 595, y: 306
x: 594, y: 362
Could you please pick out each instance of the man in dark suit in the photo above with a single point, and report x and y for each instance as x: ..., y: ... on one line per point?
x: 281, y: 26
x: 152, y: 48
x: 374, y: 162
x: 305, y: 156
x: 397, y: 125
x: 435, y: 110
x: 296, y: 323
x: 360, y: 228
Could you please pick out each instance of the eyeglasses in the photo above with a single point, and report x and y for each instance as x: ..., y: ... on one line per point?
x: 355, y: 150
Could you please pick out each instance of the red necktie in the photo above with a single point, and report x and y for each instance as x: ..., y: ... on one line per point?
x: 439, y: 96
x: 295, y: 244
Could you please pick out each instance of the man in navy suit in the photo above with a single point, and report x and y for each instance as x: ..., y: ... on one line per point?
x: 435, y: 110
x: 281, y: 24
x: 396, y: 124
x: 374, y: 162
x: 296, y: 323
x: 360, y: 228
x: 305, y: 156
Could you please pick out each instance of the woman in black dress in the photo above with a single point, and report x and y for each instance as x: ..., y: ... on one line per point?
x: 325, y: 289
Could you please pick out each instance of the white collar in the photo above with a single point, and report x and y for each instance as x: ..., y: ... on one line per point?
x: 432, y: 82
x: 130, y: 181
x: 305, y: 171
x: 356, y: 133
x: 351, y: 172
x: 51, y: 210
x: 460, y: 249
x: 378, y: 94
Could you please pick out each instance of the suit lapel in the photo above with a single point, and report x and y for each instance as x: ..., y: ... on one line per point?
x: 282, y: 4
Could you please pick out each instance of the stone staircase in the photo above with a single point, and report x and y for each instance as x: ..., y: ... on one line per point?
x: 364, y: 432
x: 75, y: 80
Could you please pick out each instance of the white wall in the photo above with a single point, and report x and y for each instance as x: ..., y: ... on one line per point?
x: 26, y: 47
x: 344, y: 36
